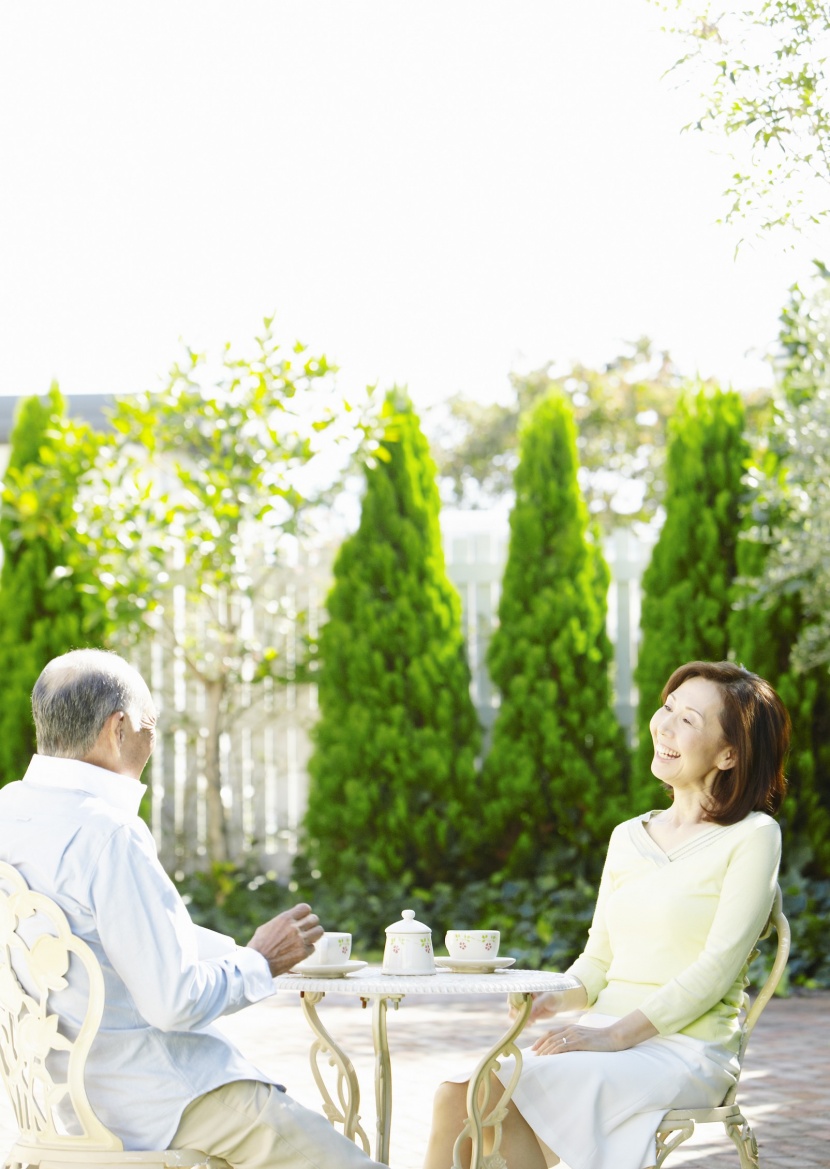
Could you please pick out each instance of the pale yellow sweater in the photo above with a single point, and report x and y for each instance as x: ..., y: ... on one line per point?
x: 672, y: 932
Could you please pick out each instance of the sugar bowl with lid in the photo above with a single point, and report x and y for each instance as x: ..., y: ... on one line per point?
x: 408, y: 948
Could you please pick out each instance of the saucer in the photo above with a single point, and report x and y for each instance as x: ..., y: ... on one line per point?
x: 474, y: 965
x: 335, y: 970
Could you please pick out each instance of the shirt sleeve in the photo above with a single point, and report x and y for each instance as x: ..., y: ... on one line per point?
x: 743, y: 908
x: 151, y: 942
x: 591, y: 967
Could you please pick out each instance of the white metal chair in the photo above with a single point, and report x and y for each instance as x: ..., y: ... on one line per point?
x: 679, y: 1124
x: 41, y: 1061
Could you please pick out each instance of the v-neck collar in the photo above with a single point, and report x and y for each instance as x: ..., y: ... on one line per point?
x: 650, y: 848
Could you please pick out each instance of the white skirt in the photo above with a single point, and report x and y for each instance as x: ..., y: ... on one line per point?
x: 600, y: 1109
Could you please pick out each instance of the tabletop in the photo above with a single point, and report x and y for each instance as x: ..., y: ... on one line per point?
x: 371, y: 982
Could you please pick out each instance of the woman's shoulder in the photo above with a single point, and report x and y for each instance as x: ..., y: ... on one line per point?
x: 757, y: 822
x: 759, y: 818
x: 759, y: 828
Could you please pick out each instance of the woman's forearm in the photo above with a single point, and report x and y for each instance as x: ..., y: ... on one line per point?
x: 555, y: 1002
x: 575, y: 999
x: 631, y: 1029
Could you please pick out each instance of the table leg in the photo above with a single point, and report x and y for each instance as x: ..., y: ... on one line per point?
x: 348, y: 1090
x: 478, y: 1094
x: 383, y: 1075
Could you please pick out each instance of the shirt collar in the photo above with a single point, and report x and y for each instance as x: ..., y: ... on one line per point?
x: 73, y: 775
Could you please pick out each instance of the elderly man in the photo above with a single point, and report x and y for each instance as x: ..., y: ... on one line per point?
x: 158, y: 1074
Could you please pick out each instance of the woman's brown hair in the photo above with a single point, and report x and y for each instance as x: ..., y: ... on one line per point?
x: 755, y: 722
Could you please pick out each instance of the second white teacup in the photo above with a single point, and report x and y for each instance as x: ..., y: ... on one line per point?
x: 478, y: 944
x: 333, y: 949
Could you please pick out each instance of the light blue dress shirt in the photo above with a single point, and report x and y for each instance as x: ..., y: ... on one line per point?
x: 73, y: 832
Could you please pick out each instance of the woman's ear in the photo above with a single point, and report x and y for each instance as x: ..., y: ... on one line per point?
x: 727, y: 758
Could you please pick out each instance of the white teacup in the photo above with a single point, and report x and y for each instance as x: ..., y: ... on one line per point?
x: 478, y: 944
x: 333, y: 949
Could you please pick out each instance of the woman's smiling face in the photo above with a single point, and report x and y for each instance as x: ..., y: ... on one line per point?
x: 689, y: 747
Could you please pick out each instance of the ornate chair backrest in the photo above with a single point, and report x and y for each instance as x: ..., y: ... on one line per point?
x: 41, y: 1059
x: 777, y: 922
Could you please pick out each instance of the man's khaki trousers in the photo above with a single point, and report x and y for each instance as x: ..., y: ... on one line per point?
x: 256, y: 1126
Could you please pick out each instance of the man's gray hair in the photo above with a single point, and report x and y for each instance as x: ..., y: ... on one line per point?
x: 76, y: 694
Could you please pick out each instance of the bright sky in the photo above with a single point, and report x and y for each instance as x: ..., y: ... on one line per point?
x: 431, y: 192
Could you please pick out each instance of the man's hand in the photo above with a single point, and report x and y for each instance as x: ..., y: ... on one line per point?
x: 287, y: 938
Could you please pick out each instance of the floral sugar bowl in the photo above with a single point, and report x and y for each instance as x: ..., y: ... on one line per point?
x: 408, y: 947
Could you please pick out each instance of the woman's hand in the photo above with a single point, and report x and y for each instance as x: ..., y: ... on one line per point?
x: 545, y: 1006
x: 572, y: 1037
x: 624, y: 1033
x: 553, y: 1002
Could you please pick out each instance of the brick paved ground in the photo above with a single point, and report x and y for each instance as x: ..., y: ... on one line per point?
x: 785, y: 1087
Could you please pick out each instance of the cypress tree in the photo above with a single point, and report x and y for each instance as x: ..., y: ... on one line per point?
x: 555, y: 771
x: 393, y: 773
x: 43, y: 608
x: 687, y: 587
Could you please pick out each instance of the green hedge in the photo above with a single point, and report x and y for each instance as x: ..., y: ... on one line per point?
x: 543, y: 925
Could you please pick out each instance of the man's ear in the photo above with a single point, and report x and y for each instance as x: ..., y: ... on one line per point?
x: 106, y: 750
x: 114, y: 726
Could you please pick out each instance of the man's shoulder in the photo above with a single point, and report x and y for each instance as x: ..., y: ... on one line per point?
x: 76, y: 810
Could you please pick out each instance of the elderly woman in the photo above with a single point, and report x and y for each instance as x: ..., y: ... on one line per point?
x: 684, y: 895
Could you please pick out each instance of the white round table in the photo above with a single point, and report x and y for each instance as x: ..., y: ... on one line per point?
x: 370, y: 985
